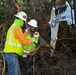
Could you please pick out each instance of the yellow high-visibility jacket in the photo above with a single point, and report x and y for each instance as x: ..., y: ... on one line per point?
x: 12, y: 45
x: 32, y: 46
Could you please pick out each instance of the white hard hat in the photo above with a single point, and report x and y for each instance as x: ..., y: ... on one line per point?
x: 22, y: 15
x: 33, y: 23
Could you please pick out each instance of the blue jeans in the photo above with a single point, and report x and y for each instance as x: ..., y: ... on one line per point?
x: 13, y: 63
x: 26, y: 64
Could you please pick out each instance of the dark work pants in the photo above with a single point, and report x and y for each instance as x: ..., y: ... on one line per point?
x: 26, y: 64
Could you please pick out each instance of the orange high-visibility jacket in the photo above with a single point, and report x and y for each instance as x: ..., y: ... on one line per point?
x: 21, y: 36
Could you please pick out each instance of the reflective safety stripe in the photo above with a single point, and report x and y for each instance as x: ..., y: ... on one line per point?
x: 11, y: 43
x: 11, y: 33
x: 10, y: 39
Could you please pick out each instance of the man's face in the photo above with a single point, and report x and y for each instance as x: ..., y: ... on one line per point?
x: 32, y: 29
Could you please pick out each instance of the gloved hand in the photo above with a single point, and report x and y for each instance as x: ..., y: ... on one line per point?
x: 27, y: 30
x: 36, y: 34
x: 49, y: 46
x: 25, y: 52
x: 32, y: 39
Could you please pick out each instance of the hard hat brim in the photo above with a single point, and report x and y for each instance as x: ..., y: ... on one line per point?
x: 32, y: 25
x: 20, y: 18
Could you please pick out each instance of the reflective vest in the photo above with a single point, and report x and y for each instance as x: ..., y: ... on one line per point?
x: 12, y: 45
x: 31, y: 46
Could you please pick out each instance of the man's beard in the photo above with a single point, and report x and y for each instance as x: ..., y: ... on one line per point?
x: 32, y: 30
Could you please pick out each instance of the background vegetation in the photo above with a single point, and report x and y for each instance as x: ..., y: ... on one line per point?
x: 64, y: 62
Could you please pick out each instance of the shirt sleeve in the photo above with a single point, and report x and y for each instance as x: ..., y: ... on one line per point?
x: 21, y: 36
x: 41, y: 40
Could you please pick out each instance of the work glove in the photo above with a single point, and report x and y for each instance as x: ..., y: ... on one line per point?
x: 27, y: 30
x: 49, y: 46
x: 25, y: 52
x: 36, y: 34
x: 32, y: 39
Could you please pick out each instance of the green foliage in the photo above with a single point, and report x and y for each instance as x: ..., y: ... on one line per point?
x: 20, y: 2
x: 2, y: 13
